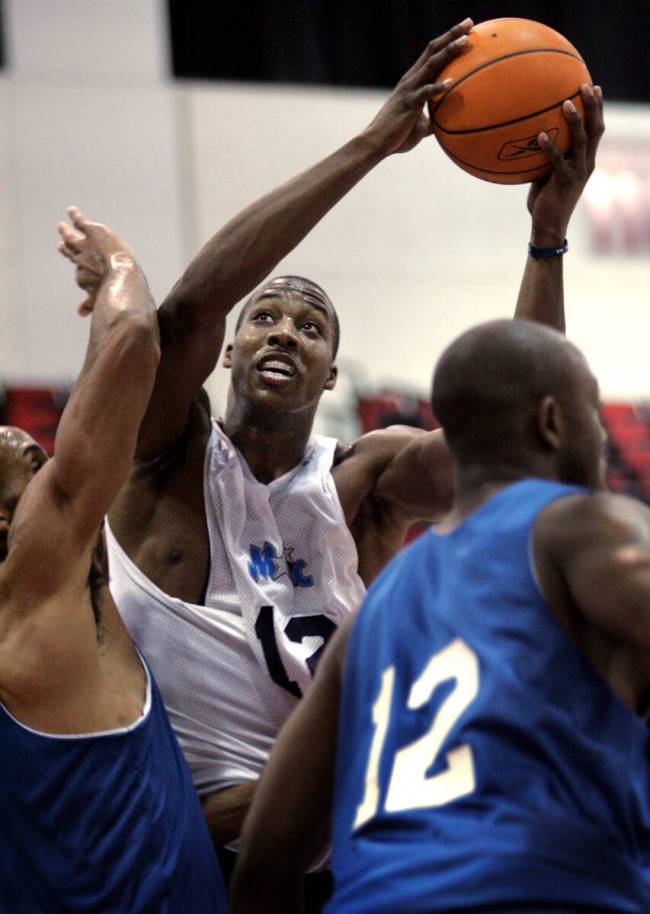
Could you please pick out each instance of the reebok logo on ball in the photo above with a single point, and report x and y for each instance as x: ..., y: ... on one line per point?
x: 519, y: 149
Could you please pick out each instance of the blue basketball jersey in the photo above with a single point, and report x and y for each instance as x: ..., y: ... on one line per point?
x: 481, y: 760
x: 103, y: 823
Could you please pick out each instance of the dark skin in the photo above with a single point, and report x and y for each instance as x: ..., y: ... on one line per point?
x: 20, y: 459
x: 592, y: 557
x: 385, y: 480
x: 62, y: 670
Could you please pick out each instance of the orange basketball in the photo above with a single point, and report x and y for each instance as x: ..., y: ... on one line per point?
x: 508, y: 87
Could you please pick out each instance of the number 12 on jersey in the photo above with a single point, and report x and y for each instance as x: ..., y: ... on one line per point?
x: 408, y: 785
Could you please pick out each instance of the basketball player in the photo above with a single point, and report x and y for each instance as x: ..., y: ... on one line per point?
x: 491, y: 750
x: 237, y: 547
x: 97, y: 805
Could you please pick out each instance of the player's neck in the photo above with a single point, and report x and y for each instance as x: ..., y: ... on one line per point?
x: 476, y: 484
x: 272, y: 448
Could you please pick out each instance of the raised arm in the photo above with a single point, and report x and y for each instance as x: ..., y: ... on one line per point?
x: 246, y: 249
x: 58, y: 517
x: 551, y: 202
x: 416, y: 482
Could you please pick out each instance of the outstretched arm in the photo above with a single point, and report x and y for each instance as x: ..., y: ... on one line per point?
x: 58, y: 516
x: 416, y: 483
x: 246, y: 249
x: 551, y: 202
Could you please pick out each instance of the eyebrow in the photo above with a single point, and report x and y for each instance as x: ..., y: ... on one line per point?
x: 311, y: 300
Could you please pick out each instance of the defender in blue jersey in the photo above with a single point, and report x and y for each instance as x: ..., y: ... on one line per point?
x: 492, y: 754
x: 97, y: 809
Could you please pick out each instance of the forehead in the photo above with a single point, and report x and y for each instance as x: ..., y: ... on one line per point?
x: 295, y: 291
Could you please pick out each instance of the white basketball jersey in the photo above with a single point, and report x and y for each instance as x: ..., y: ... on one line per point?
x: 283, y: 573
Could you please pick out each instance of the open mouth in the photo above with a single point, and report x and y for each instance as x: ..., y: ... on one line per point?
x: 276, y: 369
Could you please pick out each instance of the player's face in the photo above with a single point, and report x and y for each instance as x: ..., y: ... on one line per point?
x: 583, y: 459
x: 282, y: 353
x: 20, y: 459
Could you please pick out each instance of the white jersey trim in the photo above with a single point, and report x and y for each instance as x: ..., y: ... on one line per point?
x: 117, y: 731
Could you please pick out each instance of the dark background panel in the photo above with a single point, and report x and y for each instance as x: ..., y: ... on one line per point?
x: 2, y: 41
x: 372, y: 42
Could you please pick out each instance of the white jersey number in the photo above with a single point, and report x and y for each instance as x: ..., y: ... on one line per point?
x: 408, y: 785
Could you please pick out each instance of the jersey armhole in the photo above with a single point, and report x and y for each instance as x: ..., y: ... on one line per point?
x: 532, y: 566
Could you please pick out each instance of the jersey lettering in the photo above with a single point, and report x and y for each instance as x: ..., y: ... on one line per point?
x: 262, y: 564
x: 408, y: 784
x: 297, y: 629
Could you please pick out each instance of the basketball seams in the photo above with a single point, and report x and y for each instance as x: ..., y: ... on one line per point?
x: 516, y: 120
x: 489, y: 63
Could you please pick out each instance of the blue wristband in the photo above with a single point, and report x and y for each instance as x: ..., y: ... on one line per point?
x: 548, y: 252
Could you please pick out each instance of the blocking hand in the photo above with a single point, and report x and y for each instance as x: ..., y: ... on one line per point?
x: 93, y: 248
x: 552, y: 199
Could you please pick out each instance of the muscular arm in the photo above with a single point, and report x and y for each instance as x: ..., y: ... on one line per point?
x: 192, y: 317
x: 387, y: 480
x: 417, y: 483
x: 596, y: 548
x: 288, y: 823
x: 60, y: 512
x: 243, y: 252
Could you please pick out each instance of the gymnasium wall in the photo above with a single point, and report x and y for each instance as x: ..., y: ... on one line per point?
x: 417, y: 252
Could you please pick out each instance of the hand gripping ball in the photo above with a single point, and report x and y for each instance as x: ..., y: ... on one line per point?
x: 507, y: 88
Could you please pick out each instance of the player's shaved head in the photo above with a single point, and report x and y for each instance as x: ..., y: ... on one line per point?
x: 489, y: 383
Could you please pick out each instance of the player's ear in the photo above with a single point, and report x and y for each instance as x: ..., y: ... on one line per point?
x: 550, y: 422
x: 227, y: 356
x: 331, y: 378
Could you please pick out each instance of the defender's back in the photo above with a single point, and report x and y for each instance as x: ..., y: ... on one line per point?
x: 481, y: 760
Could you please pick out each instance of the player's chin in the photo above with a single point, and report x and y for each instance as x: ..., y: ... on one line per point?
x: 275, y: 390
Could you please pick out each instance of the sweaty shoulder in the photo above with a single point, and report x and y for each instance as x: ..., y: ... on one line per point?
x: 592, y: 555
x: 585, y: 544
x: 580, y: 518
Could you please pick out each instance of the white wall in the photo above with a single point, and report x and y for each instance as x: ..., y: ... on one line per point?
x: 419, y: 250
x: 416, y: 253
x: 13, y: 333
x: 90, y: 121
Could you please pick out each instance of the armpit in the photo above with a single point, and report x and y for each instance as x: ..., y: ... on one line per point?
x: 342, y: 452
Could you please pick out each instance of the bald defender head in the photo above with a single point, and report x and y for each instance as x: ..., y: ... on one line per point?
x: 20, y: 459
x: 517, y: 399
